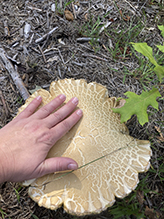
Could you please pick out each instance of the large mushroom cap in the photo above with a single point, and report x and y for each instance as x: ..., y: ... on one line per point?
x: 111, y: 158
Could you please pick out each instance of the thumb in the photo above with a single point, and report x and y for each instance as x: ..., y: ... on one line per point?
x: 55, y: 164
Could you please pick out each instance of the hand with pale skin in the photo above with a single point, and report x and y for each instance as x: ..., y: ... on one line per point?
x: 26, y: 140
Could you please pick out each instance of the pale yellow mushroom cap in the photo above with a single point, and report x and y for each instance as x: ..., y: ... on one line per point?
x: 99, y: 134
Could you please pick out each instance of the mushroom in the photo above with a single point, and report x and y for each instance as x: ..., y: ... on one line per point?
x: 109, y: 158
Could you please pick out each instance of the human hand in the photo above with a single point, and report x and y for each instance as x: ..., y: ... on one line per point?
x: 26, y: 140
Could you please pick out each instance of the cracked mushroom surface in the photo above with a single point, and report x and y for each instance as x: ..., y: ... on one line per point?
x: 108, y: 157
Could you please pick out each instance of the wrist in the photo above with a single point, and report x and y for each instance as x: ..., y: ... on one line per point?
x: 2, y: 173
x: 3, y: 166
x: 2, y: 177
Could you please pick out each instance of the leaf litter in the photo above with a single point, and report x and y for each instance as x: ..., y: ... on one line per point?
x: 31, y: 32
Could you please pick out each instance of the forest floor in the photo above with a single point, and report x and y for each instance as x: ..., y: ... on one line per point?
x: 92, y: 43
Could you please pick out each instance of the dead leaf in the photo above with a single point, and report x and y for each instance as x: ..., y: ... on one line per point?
x: 120, y: 103
x: 127, y: 18
x: 140, y: 197
x: 161, y: 137
x: 150, y: 213
x: 111, y: 19
x: 68, y: 15
x: 86, y: 16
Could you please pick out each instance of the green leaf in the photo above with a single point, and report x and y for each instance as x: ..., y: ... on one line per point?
x: 36, y: 88
x: 161, y: 28
x: 161, y: 48
x: 145, y: 50
x: 137, y: 104
x: 159, y: 70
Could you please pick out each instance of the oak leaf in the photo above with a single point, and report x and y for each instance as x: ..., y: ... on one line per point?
x: 137, y: 104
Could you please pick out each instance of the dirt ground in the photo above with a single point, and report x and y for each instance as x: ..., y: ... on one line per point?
x: 62, y: 54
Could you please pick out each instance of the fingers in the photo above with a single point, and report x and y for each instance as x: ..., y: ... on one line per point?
x: 30, y: 109
x: 63, y: 127
x: 45, y: 111
x: 62, y: 113
x: 56, y: 164
x: 50, y: 107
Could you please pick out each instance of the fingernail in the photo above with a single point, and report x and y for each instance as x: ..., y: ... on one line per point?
x: 62, y: 97
x: 79, y: 112
x: 39, y: 97
x: 75, y: 100
x: 72, y: 166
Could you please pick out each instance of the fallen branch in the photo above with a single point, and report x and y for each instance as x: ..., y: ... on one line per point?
x: 14, y: 74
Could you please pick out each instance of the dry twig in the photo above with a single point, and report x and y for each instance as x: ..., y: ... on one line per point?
x: 4, y: 104
x: 6, y: 28
x: 44, y: 58
x: 94, y: 57
x: 46, y: 35
x: 14, y: 74
x: 86, y: 39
